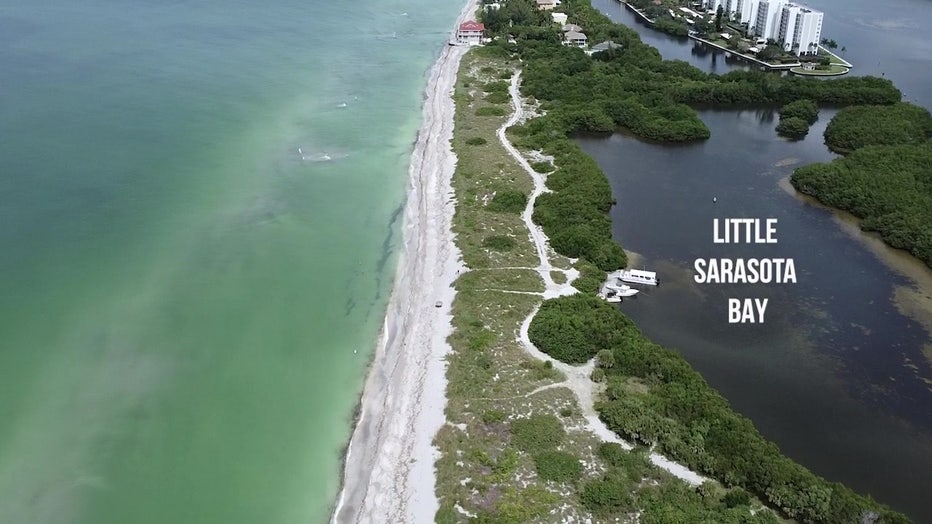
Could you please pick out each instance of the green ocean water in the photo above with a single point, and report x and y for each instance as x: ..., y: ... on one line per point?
x: 198, y: 231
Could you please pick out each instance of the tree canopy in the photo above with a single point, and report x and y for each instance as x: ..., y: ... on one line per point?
x: 859, y: 126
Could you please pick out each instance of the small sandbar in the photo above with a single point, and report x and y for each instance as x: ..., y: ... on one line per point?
x: 787, y: 162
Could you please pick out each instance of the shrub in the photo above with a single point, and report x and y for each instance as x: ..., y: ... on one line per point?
x: 479, y: 339
x: 574, y: 328
x: 859, y: 126
x: 475, y: 141
x: 490, y: 111
x: 542, y: 167
x: 736, y: 497
x: 493, y: 416
x: 597, y: 375
x: 804, y: 109
x: 537, y: 433
x: 509, y: 201
x: 557, y: 466
x: 496, y: 87
x: 499, y: 243
x: 590, y: 277
x: 605, y: 358
x: 793, y: 128
x: 608, y: 495
x: 497, y: 98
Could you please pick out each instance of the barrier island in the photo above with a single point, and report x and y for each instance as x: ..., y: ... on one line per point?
x: 558, y: 408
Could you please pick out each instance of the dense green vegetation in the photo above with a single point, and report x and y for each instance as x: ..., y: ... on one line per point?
x: 888, y: 187
x: 806, y: 110
x: 796, y: 117
x: 537, y: 433
x: 508, y: 201
x: 859, y: 126
x: 630, y: 87
x: 887, y: 178
x: 654, y: 397
x: 634, y: 88
x: 631, y: 484
x: 557, y: 466
x: 575, y: 346
x: 499, y: 242
x: 793, y: 127
x: 574, y: 214
x: 490, y: 111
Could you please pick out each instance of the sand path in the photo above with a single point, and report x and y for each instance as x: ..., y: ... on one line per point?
x: 577, y: 377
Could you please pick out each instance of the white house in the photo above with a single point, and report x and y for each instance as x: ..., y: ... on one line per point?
x: 546, y: 5
x: 800, y: 29
x: 575, y: 38
x: 572, y: 27
x: 470, y: 33
x: 559, y: 18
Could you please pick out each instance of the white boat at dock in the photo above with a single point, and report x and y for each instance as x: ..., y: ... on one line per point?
x: 636, y: 276
x: 614, y: 293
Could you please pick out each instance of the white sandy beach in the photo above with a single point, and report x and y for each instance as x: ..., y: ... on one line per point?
x: 389, y: 468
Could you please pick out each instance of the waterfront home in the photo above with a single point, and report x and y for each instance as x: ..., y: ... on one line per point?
x: 559, y: 18
x: 470, y: 33
x: 494, y: 6
x: 572, y: 27
x: 608, y: 45
x: 547, y: 5
x: 575, y: 39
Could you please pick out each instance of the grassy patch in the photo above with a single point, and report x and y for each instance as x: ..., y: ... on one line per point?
x: 491, y: 111
x: 499, y: 243
x: 537, y: 433
x: 509, y: 279
x: 557, y: 466
x: 492, y: 383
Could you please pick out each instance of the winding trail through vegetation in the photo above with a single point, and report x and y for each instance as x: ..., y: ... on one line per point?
x: 577, y: 377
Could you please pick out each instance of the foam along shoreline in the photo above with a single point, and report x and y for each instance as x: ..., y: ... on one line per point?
x: 389, y: 464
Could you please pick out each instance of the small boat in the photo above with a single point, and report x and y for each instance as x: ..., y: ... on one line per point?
x: 621, y: 291
x: 636, y: 276
x: 615, y: 292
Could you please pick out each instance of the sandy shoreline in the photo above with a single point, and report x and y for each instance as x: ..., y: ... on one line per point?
x: 388, y: 472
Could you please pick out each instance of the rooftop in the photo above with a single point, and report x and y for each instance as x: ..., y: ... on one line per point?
x: 472, y: 25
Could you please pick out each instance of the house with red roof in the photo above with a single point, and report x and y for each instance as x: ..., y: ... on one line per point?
x: 470, y: 33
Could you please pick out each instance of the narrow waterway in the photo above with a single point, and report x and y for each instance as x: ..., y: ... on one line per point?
x: 836, y: 374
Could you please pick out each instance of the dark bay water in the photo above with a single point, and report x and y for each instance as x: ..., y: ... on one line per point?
x: 836, y: 375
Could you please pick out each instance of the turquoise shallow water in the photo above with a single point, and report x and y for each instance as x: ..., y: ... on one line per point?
x: 182, y: 290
